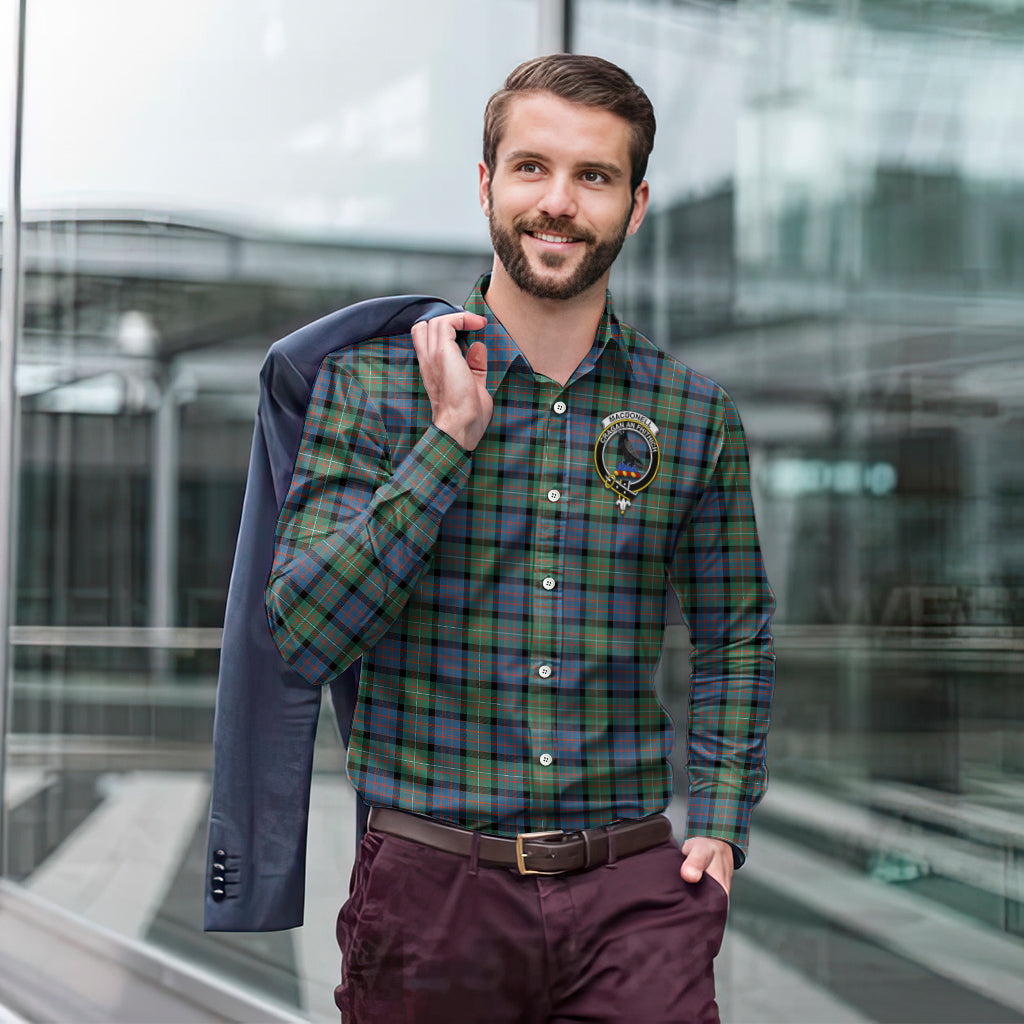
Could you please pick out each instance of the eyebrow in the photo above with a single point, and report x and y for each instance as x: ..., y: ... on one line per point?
x: 613, y: 171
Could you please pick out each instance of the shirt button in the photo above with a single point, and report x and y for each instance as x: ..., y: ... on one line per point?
x: 559, y: 407
x: 548, y: 583
x: 554, y: 495
x: 545, y: 759
x: 544, y: 671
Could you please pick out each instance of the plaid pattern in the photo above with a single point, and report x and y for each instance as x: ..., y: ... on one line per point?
x: 509, y: 615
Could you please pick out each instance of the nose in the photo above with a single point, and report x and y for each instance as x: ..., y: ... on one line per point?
x: 559, y: 198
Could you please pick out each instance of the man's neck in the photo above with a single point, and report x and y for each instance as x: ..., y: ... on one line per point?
x: 555, y: 335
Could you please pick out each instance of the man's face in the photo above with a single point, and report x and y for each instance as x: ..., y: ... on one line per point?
x: 559, y: 202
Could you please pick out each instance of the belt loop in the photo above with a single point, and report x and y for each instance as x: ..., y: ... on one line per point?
x: 611, y: 847
x: 474, y: 853
x: 585, y: 833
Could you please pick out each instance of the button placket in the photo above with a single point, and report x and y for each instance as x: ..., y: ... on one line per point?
x: 546, y: 605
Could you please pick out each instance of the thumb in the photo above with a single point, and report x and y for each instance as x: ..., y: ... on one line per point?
x: 477, y: 357
x: 694, y: 864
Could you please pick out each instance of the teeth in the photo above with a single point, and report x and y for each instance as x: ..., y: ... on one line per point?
x: 551, y: 238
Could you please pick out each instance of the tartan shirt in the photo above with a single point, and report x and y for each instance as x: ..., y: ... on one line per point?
x: 509, y: 608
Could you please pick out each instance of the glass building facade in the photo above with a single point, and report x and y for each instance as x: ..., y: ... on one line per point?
x: 836, y: 235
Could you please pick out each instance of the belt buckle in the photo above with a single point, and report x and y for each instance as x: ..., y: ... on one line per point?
x: 521, y: 856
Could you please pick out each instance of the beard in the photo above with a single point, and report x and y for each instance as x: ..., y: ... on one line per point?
x: 599, y: 255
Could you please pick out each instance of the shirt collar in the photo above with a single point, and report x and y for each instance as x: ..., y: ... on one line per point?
x: 502, y: 351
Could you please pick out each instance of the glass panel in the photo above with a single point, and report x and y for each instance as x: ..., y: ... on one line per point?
x: 8, y: 29
x: 355, y: 120
x: 836, y: 236
x: 8, y: 25
x: 200, y: 179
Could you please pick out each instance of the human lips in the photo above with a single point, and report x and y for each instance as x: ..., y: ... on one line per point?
x: 555, y: 233
x: 545, y: 236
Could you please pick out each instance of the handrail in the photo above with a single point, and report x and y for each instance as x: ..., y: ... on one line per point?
x: 793, y: 637
x: 167, y: 637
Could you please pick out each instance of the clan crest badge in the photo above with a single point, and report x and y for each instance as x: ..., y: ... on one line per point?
x: 627, y: 455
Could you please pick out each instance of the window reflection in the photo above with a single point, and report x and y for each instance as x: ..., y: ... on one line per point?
x: 199, y: 180
x: 836, y: 236
x: 854, y: 282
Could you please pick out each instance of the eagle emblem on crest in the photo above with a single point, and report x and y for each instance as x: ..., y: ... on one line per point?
x: 627, y: 455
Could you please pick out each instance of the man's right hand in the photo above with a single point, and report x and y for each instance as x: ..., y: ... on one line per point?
x: 456, y: 384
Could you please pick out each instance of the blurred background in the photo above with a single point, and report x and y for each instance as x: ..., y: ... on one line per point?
x: 836, y: 235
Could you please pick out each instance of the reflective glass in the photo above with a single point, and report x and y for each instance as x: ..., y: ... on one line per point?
x: 8, y: 29
x: 8, y: 22
x: 836, y: 236
x: 200, y: 178
x: 8, y: 57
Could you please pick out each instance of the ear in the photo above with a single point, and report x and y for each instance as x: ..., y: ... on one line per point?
x: 485, y: 182
x: 641, y: 197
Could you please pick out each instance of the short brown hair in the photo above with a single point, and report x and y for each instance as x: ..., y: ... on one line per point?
x: 577, y: 78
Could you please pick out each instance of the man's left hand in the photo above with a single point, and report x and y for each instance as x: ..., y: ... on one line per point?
x: 711, y: 855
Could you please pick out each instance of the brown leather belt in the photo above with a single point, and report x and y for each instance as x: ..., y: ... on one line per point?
x: 530, y: 853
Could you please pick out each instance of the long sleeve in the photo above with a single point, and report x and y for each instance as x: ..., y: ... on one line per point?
x: 355, y: 533
x: 727, y: 603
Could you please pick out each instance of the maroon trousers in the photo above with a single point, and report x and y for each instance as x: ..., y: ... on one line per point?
x: 432, y: 938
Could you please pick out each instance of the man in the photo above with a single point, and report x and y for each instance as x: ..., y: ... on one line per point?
x: 488, y: 512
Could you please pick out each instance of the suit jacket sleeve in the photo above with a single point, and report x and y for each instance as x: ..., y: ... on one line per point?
x: 266, y: 716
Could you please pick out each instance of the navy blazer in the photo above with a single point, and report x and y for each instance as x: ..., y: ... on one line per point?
x: 266, y: 714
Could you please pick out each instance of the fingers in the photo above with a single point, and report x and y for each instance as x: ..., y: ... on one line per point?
x: 431, y: 338
x: 472, y: 322
x: 456, y: 385
x: 448, y: 324
x: 435, y: 340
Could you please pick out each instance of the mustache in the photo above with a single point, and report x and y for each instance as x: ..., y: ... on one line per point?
x: 552, y: 226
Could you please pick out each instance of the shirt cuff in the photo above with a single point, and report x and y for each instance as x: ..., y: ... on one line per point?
x: 434, y: 471
x: 720, y: 815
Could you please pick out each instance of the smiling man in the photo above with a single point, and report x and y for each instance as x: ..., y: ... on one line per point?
x: 488, y: 512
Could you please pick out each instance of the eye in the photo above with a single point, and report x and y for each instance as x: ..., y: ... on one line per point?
x: 594, y: 177
x: 529, y: 167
